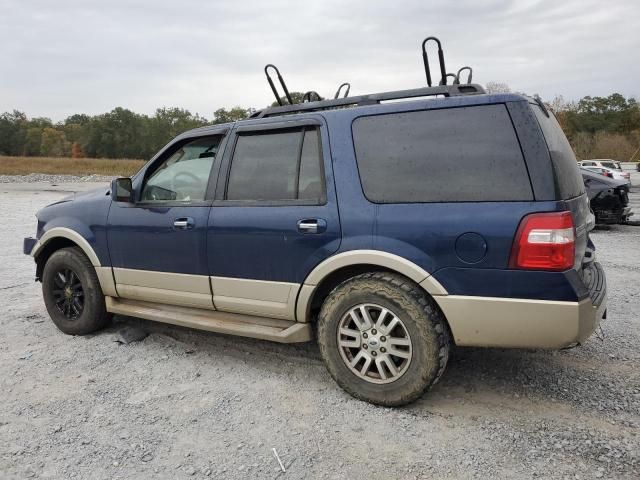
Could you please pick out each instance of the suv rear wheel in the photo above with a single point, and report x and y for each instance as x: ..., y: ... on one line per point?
x: 383, y: 339
x: 72, y: 293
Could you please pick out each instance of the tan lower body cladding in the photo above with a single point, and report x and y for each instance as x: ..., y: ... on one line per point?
x: 251, y: 297
x: 519, y: 323
x: 243, y: 306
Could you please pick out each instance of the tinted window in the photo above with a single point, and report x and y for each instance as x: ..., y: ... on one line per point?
x: 283, y: 165
x: 452, y: 155
x: 184, y: 175
x: 568, y: 179
x: 311, y: 187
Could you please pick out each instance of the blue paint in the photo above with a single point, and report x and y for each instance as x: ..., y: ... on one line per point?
x: 466, y: 246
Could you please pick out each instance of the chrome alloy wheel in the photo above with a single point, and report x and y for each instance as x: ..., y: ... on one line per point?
x: 374, y: 343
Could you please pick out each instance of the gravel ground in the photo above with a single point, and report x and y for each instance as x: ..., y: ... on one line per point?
x: 189, y: 404
x: 52, y: 179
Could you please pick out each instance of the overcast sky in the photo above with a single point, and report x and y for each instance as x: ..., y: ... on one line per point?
x: 82, y: 56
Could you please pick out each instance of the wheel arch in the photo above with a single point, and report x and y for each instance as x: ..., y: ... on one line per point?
x: 60, y: 237
x: 63, y: 236
x: 338, y: 268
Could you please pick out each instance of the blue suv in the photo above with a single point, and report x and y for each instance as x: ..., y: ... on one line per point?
x: 389, y: 231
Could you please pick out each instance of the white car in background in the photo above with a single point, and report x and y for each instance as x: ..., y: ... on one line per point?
x: 609, y: 172
x: 601, y: 162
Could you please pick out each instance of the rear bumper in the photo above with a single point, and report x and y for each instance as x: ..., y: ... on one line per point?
x: 525, y: 323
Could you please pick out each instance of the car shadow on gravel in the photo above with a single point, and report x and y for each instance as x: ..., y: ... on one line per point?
x: 517, y: 381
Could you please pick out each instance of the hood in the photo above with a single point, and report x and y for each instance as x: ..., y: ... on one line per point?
x: 78, y: 197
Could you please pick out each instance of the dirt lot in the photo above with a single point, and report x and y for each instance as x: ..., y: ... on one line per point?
x: 188, y: 404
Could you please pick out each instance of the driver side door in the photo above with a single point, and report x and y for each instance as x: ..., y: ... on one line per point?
x: 157, y: 243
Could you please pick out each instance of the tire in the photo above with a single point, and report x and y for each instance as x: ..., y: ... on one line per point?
x: 418, y: 365
x: 72, y: 293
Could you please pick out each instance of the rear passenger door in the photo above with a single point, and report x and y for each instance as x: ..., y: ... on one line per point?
x: 275, y: 216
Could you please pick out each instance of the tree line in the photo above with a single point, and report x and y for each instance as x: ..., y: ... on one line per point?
x: 601, y: 127
x: 119, y: 133
x: 597, y: 127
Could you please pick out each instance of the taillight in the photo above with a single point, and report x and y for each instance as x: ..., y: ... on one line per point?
x: 544, y: 241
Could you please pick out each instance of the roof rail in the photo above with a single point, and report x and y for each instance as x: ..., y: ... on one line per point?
x: 372, y: 99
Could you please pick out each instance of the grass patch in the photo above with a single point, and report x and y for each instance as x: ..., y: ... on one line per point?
x: 69, y: 166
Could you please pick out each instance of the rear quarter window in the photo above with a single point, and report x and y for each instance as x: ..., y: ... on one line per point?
x: 451, y: 155
x: 569, y: 182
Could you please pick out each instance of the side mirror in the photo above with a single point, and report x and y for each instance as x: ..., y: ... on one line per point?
x: 122, y: 190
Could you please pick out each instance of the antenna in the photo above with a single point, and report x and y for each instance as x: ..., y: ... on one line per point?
x: 282, y: 84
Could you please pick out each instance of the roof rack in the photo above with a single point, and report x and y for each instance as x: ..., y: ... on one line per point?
x: 372, y: 99
x: 308, y: 104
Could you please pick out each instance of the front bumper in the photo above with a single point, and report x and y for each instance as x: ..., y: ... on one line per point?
x: 526, y: 323
x: 28, y: 244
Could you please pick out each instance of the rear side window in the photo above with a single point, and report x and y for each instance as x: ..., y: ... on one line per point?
x: 567, y: 173
x: 454, y: 155
x: 273, y: 166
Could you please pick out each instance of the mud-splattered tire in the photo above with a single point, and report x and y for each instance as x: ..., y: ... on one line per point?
x: 72, y: 293
x: 400, y: 359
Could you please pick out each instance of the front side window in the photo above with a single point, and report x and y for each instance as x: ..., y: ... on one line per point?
x: 184, y: 175
x: 277, y: 165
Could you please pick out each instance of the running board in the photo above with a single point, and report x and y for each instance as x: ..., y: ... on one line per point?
x: 282, y: 331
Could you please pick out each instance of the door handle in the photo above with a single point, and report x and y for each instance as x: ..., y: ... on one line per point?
x: 312, y: 225
x: 184, y: 223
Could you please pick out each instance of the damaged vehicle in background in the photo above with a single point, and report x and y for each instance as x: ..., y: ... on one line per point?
x: 609, y: 198
x: 611, y: 173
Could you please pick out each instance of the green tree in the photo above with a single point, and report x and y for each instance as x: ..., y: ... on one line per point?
x: 295, y: 96
x: 54, y: 143
x: 222, y: 115
x: 13, y: 133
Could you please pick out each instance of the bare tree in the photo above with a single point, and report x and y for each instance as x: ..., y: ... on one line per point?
x: 497, y: 87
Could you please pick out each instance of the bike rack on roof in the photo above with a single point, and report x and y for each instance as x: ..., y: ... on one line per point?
x: 346, y: 93
x: 282, y: 84
x: 307, y: 96
x: 457, y: 82
x: 425, y: 60
x: 318, y: 104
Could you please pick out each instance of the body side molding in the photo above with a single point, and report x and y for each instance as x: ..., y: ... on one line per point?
x: 363, y: 257
x: 255, y: 297
x: 164, y: 287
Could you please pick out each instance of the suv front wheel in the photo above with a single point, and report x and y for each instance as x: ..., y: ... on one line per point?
x: 383, y: 339
x: 72, y: 293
